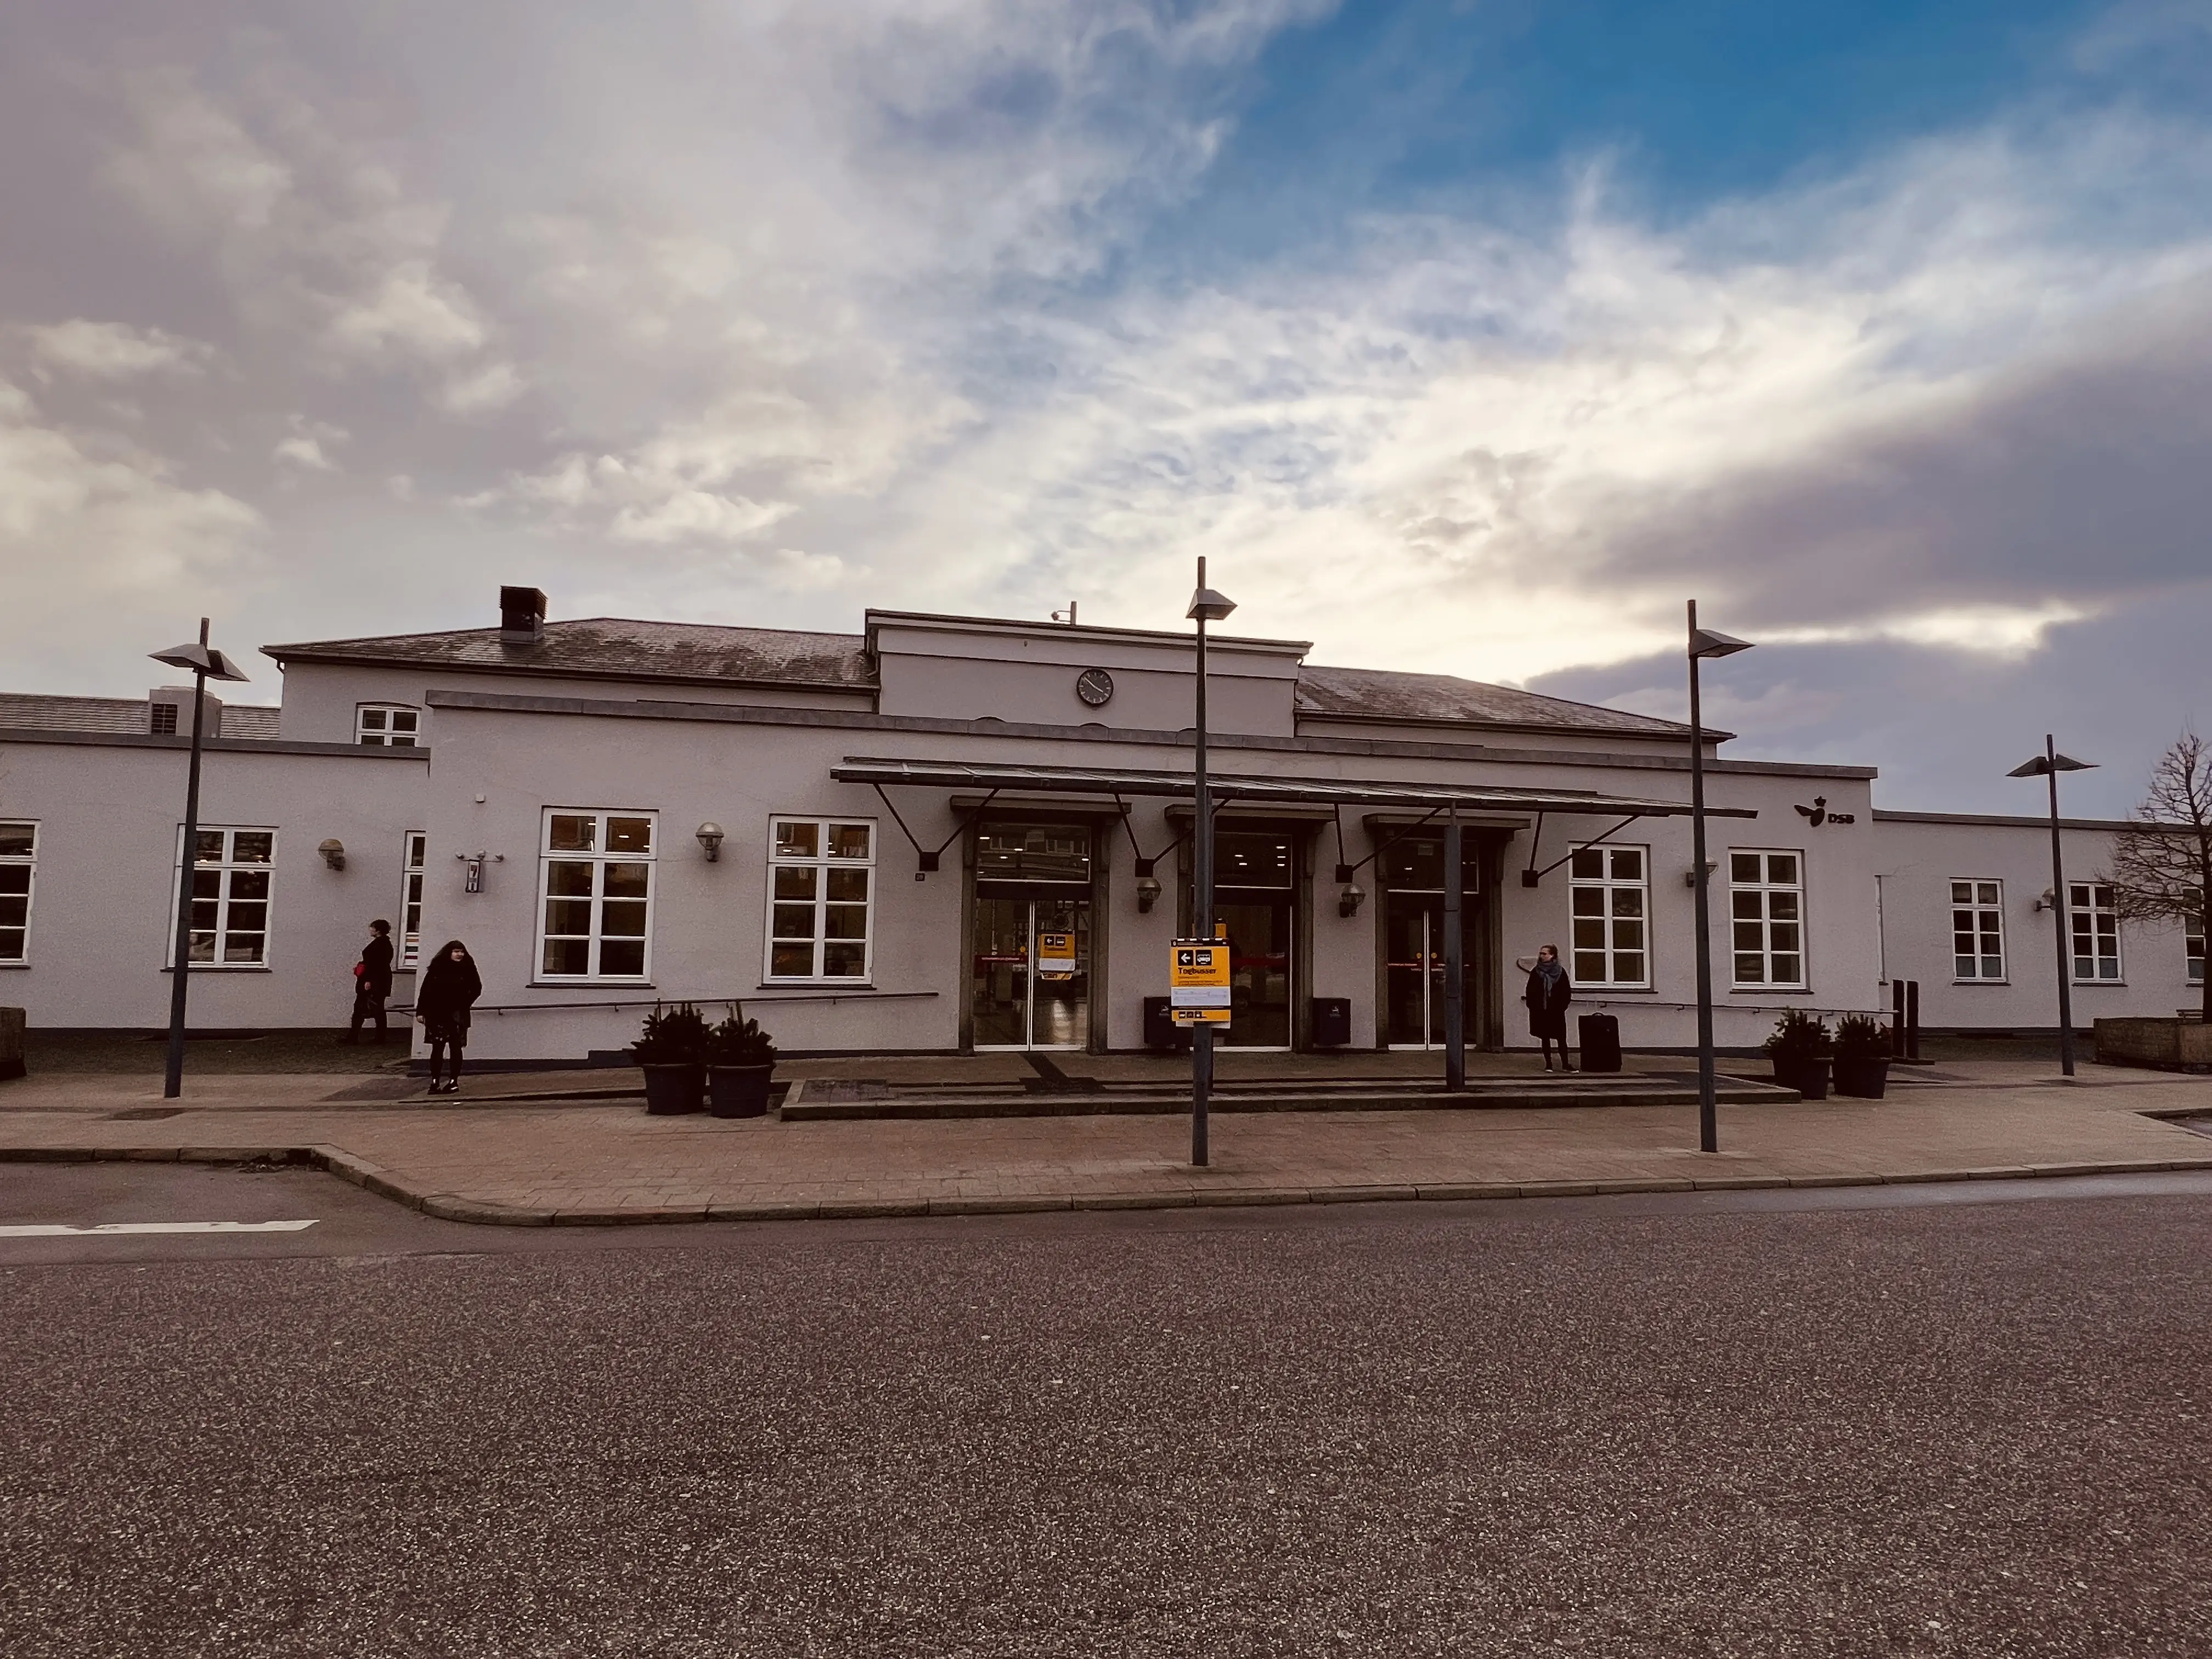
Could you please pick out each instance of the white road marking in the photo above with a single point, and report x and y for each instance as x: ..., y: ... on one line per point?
x: 115, y: 1229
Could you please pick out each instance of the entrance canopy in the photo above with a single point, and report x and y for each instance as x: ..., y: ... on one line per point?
x: 1425, y: 798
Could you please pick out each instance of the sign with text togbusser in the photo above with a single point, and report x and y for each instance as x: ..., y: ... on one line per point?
x: 1055, y: 955
x: 1197, y: 981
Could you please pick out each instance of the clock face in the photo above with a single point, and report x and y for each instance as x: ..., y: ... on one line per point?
x: 1094, y: 686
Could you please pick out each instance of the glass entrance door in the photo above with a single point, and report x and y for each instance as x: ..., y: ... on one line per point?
x: 1254, y: 892
x: 1415, y: 962
x: 1032, y: 971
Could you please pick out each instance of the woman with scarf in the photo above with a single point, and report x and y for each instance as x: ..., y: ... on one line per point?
x: 1548, y: 996
x: 449, y: 988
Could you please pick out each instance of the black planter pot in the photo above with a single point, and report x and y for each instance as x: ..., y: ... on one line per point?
x: 672, y: 1091
x: 1809, y: 1078
x: 1862, y: 1077
x: 738, y: 1091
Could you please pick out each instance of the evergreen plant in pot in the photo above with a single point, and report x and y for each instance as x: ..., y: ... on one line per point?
x: 673, y: 1050
x: 1863, y: 1051
x: 1800, y: 1047
x: 740, y: 1062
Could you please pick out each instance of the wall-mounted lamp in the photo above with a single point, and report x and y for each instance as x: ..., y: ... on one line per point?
x: 1349, y: 901
x: 1148, y: 886
x: 1690, y: 876
x: 472, y: 871
x: 2048, y: 901
x: 710, y: 837
x: 334, y: 852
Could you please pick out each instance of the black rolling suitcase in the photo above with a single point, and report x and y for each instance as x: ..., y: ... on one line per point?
x: 1601, y: 1043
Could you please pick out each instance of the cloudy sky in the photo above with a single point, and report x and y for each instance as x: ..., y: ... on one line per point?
x: 1471, y: 335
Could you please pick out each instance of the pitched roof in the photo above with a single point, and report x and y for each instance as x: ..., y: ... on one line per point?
x: 613, y: 648
x: 41, y: 712
x: 1382, y: 694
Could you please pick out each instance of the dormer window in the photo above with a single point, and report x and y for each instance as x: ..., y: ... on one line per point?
x: 388, y: 726
x: 162, y: 721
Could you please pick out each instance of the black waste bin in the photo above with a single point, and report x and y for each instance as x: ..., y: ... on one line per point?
x: 1601, y: 1043
x: 1160, y: 1029
x: 1332, y: 1022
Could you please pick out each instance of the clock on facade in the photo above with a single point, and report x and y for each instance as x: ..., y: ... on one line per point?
x: 1095, y: 686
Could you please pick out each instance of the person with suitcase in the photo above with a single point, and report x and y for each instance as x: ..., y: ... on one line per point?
x: 1549, y: 993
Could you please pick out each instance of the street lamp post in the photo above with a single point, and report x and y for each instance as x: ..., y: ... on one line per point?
x: 1205, y: 606
x: 1704, y: 642
x: 2049, y: 764
x: 206, y: 662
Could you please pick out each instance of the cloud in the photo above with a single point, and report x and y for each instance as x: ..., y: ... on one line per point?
x: 111, y: 352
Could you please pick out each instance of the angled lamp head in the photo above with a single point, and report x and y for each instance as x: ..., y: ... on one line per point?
x: 1704, y: 642
x: 197, y: 659
x: 2043, y: 766
x: 1206, y: 605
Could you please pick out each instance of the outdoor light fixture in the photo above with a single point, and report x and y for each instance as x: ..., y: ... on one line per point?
x: 1148, y: 894
x: 204, y: 663
x: 1690, y: 876
x: 334, y: 852
x: 1206, y: 606
x: 1703, y: 643
x: 710, y: 837
x: 1349, y: 901
x: 2049, y: 764
x: 473, y: 866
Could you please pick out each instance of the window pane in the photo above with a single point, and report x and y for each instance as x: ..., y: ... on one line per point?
x: 844, y: 961
x: 1589, y: 901
x: 417, y: 846
x: 1745, y: 907
x: 1782, y: 905
x: 402, y: 742
x: 1988, y: 892
x: 1589, y: 864
x: 1627, y: 935
x: 569, y: 878
x: 794, y: 883
x: 15, y: 877
x: 847, y: 886
x: 1628, y: 864
x: 372, y: 719
x: 1785, y: 936
x: 568, y: 955
x: 1750, y: 936
x: 406, y: 719
x: 1628, y: 967
x: 622, y: 919
x: 1743, y: 866
x: 626, y: 881
x: 11, y: 943
x: 629, y: 835
x: 1590, y: 935
x: 1589, y: 966
x: 249, y: 918
x: 211, y: 846
x: 796, y: 841
x: 793, y: 922
x: 845, y: 920
x: 1992, y: 966
x: 1782, y: 868
x: 241, y: 947
x: 371, y: 740
x: 16, y: 841
x: 572, y: 833
x: 568, y: 916
x: 252, y: 846
x: 848, y: 841
x: 1750, y: 968
x: 208, y: 884
x: 622, y: 956
x: 202, y: 946
x: 792, y: 961
x: 203, y: 913
x: 14, y: 912
x: 1786, y: 970
x: 1628, y: 900
x: 249, y: 884
x: 2077, y: 896
x: 1962, y: 892
x: 1964, y: 967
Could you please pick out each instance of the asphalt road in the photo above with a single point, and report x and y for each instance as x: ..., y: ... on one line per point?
x: 1862, y: 1422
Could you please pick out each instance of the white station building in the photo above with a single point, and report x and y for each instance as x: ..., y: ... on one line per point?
x: 865, y: 837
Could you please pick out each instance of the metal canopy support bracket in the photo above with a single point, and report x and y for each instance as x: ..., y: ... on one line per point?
x: 1532, y: 877
x: 929, y: 859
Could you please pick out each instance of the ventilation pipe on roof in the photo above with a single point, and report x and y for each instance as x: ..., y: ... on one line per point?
x: 521, y: 617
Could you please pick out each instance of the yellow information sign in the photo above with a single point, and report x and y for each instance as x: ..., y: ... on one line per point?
x: 1197, y: 981
x: 1055, y: 955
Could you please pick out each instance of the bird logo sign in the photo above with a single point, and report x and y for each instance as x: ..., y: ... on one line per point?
x: 1818, y: 813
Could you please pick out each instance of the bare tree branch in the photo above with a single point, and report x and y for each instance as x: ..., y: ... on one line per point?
x: 2161, y: 863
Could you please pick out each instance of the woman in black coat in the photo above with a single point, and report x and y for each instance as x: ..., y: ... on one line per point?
x: 448, y: 989
x: 1549, y: 993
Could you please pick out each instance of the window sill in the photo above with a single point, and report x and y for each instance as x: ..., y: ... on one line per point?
x: 585, y: 984
x: 14, y: 964
x: 1771, y: 991
x: 815, y: 985
x: 1965, y: 984
x: 2100, y: 984
x: 223, y: 968
x: 1599, y: 987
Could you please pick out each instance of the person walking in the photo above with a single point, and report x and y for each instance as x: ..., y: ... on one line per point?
x: 372, y: 984
x: 449, y: 988
x: 1549, y: 993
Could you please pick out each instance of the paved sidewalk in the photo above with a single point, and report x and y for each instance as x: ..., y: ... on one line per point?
x: 593, y: 1162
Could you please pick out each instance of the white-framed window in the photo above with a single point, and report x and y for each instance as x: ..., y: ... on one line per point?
x: 387, y: 725
x: 1767, y: 918
x: 1978, y: 930
x: 19, y: 859
x: 2192, y: 940
x: 595, y: 894
x: 414, y: 853
x: 232, y: 878
x: 822, y: 884
x: 1609, y: 893
x: 2096, y: 921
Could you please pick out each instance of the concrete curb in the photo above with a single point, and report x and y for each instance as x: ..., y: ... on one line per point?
x: 454, y: 1206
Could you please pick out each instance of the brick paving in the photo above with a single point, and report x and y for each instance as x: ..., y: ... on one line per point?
x: 607, y: 1161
